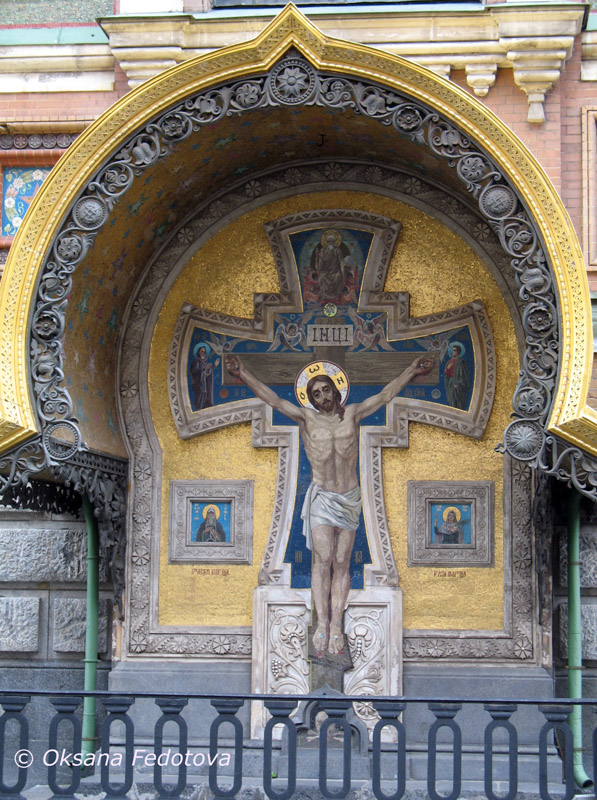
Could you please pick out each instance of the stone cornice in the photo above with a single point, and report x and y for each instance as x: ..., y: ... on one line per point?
x: 533, y: 39
x: 56, y: 68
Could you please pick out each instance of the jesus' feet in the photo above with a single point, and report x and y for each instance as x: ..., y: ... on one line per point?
x: 336, y: 643
x: 320, y: 639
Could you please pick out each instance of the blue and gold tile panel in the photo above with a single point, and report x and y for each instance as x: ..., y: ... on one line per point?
x: 19, y: 185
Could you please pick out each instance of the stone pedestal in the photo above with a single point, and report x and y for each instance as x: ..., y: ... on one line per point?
x: 373, y: 628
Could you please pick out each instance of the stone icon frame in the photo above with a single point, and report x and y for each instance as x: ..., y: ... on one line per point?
x: 478, y: 496
x: 237, y: 496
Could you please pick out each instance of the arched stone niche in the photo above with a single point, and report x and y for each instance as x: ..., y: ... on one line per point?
x: 424, y: 141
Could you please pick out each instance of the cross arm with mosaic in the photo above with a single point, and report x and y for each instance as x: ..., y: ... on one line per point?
x: 420, y: 366
x: 237, y: 369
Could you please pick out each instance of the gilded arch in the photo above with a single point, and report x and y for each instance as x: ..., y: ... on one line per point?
x: 552, y: 429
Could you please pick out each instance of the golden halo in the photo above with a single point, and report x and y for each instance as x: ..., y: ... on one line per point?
x: 456, y: 511
x: 318, y: 369
x: 215, y: 509
x: 331, y: 232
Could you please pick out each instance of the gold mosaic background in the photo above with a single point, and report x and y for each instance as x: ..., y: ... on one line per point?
x: 440, y: 272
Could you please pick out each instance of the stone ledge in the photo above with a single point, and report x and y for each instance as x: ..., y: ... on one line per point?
x: 56, y: 68
x: 535, y: 40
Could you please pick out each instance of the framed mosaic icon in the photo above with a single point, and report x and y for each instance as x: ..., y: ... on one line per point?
x: 450, y: 523
x: 211, y: 522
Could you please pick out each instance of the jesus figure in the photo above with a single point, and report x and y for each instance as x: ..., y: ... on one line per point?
x: 332, y: 506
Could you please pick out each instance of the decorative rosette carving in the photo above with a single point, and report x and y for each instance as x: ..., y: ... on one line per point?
x: 524, y: 439
x: 293, y: 82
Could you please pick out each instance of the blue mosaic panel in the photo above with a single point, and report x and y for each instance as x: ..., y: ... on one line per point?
x: 19, y: 185
x: 210, y: 522
x: 450, y: 523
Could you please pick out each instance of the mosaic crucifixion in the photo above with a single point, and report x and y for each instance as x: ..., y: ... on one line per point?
x: 330, y: 370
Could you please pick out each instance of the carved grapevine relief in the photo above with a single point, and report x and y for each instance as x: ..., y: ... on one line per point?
x: 287, y: 648
x: 366, y: 633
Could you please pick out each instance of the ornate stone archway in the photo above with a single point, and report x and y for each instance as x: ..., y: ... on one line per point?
x: 289, y: 69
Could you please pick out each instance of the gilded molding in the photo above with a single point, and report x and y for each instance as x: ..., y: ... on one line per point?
x: 569, y: 418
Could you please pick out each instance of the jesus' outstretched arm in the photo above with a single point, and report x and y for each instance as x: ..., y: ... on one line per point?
x: 420, y: 366
x: 237, y: 369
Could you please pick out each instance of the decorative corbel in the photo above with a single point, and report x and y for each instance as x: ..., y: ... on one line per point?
x: 537, y: 63
x: 481, y: 74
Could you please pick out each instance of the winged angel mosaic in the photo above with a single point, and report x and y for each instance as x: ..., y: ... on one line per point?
x: 331, y: 334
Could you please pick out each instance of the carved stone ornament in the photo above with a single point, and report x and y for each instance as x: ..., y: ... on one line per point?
x: 90, y: 213
x: 588, y: 631
x: 228, y: 540
x: 35, y: 141
x: 64, y: 554
x: 524, y: 439
x: 373, y: 633
x: 293, y: 82
x: 19, y: 624
x: 374, y: 639
x: 279, y: 665
x: 69, y: 624
x: 498, y: 202
x: 588, y: 559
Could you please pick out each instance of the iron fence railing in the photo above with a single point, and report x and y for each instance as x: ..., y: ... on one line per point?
x: 499, y: 748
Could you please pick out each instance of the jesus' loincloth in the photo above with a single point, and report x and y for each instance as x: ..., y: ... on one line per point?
x: 330, y: 508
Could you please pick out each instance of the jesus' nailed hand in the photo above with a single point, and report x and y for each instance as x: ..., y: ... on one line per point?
x: 332, y: 507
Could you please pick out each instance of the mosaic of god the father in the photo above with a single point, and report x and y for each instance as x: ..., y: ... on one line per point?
x: 332, y: 506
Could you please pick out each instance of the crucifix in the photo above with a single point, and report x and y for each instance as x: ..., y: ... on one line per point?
x: 331, y: 510
x: 332, y: 321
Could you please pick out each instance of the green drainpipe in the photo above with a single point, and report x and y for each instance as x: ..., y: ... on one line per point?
x: 574, y: 636
x: 91, y: 626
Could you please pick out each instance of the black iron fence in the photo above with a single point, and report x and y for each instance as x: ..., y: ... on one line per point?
x: 333, y: 743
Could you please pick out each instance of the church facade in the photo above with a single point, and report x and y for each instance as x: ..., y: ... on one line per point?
x: 307, y: 324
